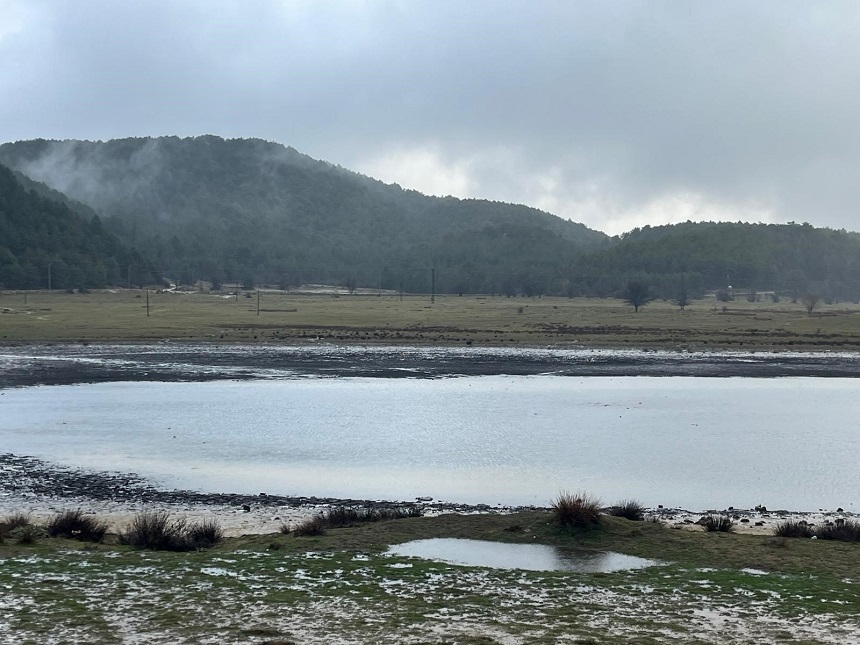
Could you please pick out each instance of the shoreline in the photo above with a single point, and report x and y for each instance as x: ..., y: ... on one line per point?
x: 30, y: 364
x: 41, y: 489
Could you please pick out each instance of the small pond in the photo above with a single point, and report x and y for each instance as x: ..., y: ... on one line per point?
x: 530, y: 557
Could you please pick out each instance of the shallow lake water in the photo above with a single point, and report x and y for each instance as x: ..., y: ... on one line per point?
x: 691, y: 442
x: 530, y: 557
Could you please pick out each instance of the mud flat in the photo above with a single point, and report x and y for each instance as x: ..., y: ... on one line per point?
x: 59, y: 364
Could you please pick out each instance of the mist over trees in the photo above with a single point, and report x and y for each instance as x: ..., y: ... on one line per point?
x: 44, y: 243
x: 253, y: 212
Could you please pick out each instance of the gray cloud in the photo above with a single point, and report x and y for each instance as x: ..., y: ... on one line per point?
x: 615, y: 114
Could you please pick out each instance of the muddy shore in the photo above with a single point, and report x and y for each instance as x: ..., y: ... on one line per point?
x: 41, y: 489
x: 60, y: 364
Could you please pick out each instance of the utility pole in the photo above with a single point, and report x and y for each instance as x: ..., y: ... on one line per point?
x: 49, y: 276
x: 129, y: 277
x: 258, y: 302
x: 147, y: 303
x: 432, y: 285
x: 401, y: 288
x: 379, y: 287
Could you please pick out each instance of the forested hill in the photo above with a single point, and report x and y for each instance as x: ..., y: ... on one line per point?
x: 254, y: 211
x: 43, y: 242
x: 790, y: 258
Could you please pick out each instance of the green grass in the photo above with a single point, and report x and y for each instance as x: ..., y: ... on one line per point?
x: 121, y: 315
x: 341, y: 585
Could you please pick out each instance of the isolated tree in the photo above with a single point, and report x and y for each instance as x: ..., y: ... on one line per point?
x: 350, y: 284
x: 682, y: 296
x: 636, y: 294
x: 810, y: 301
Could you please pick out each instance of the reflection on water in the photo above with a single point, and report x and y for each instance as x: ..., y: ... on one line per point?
x: 531, y: 557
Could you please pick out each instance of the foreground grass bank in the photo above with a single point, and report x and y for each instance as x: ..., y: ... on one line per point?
x: 122, y: 315
x: 341, y: 587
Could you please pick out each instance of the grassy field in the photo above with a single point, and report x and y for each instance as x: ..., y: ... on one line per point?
x: 342, y: 588
x: 122, y: 315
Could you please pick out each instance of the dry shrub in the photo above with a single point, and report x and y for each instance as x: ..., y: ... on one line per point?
x: 629, y: 509
x: 576, y: 510
x: 77, y: 526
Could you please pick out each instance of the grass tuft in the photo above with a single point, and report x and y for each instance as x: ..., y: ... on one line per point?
x: 629, y: 509
x: 793, y: 529
x: 315, y: 525
x: 12, y: 522
x: 843, y: 531
x: 718, y: 524
x: 204, y: 535
x: 156, y: 531
x: 576, y: 510
x: 77, y: 526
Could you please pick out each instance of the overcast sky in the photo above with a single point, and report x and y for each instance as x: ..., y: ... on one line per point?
x: 616, y: 114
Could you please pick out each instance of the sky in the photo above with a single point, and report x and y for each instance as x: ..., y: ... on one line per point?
x: 614, y: 113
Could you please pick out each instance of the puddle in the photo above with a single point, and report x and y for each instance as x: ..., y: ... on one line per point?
x: 531, y: 557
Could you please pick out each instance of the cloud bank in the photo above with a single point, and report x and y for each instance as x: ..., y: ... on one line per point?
x: 614, y: 114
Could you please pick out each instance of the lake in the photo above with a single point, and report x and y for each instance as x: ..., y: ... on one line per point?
x: 692, y: 442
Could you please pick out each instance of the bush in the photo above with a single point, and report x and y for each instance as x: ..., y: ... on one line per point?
x: 315, y: 525
x: 158, y: 532
x: 793, y: 529
x: 77, y: 526
x: 718, y: 524
x: 577, y: 510
x: 13, y: 522
x: 27, y: 534
x: 204, y: 535
x: 629, y: 509
x: 155, y: 531
x: 843, y: 530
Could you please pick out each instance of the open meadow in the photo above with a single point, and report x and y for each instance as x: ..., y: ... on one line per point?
x: 362, y: 318
x: 342, y: 587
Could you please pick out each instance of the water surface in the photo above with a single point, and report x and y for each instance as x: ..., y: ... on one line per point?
x: 529, y: 557
x: 682, y: 441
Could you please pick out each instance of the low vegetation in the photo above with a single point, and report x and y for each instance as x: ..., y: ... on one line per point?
x: 576, y: 510
x: 342, y: 516
x: 12, y: 523
x: 629, y: 509
x: 842, y: 530
x: 793, y: 529
x: 158, y: 531
x: 718, y: 524
x: 315, y: 525
x: 479, y: 320
x: 76, y: 525
x: 802, y: 591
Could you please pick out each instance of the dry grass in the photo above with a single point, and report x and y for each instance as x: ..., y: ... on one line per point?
x: 77, y: 526
x: 121, y: 315
x: 576, y: 510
